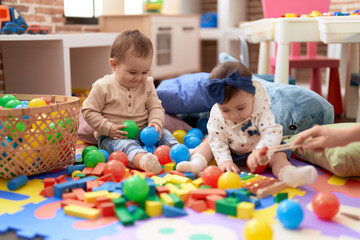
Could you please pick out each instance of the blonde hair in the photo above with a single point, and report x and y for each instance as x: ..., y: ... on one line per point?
x: 131, y: 41
x: 223, y: 70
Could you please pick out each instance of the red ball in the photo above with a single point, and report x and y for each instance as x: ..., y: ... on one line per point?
x: 210, y: 176
x: 163, y: 154
x: 326, y: 205
x: 115, y: 167
x: 120, y: 156
x: 258, y: 169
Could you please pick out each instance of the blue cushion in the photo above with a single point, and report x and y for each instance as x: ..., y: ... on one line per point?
x: 295, y: 108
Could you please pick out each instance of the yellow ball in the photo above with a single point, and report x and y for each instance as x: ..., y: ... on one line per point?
x: 229, y: 180
x: 74, y: 173
x: 257, y: 229
x: 37, y: 102
x: 179, y: 135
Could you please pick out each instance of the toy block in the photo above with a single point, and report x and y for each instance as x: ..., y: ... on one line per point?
x: 107, y: 209
x: 73, y: 174
x: 119, y: 202
x: 60, y: 188
x: 172, y: 188
x: 148, y: 174
x: 135, y: 172
x: 151, y: 184
x: 153, y: 208
x: 166, y: 199
x: 127, y: 173
x: 61, y: 179
x: 153, y: 198
x: 158, y: 180
x: 269, y: 190
x: 139, y: 214
x: 188, y: 186
x: 87, y: 170
x: 90, y: 185
x: 190, y: 175
x: 71, y: 169
x: 205, y: 187
x: 197, y: 182
x: 245, y: 210
x: 90, y: 197
x: 102, y: 199
x: 76, y: 178
x: 49, y: 182
x: 124, y: 216
x: 255, y: 201
x: 182, y: 194
x: 176, y: 179
x: 247, y: 176
x: 170, y: 211
x: 109, y: 186
x: 231, y: 192
x: 47, y: 191
x: 176, y: 172
x: 69, y: 195
x: 66, y: 202
x: 82, y: 182
x: 107, y: 178
x: 161, y: 175
x: 280, y: 196
x: 211, y: 200
x: 81, y: 175
x: 113, y: 195
x: 227, y: 206
x: 131, y: 208
x: 78, y: 161
x: 243, y: 195
x: 98, y: 169
x: 81, y: 211
x: 202, y: 193
x: 79, y: 192
x: 162, y: 189
x: 177, y: 201
x: 198, y: 205
x: 169, y: 167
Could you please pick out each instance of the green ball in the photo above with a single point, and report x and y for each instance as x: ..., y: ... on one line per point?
x: 131, y: 128
x: 93, y: 157
x: 86, y: 150
x: 12, y: 103
x: 136, y: 189
x: 4, y: 99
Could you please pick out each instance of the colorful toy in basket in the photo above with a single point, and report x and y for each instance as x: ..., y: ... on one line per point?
x: 37, y: 137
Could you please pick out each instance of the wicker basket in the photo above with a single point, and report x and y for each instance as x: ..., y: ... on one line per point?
x: 38, y: 139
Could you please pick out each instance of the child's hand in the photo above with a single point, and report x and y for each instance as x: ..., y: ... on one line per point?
x: 229, y: 166
x: 256, y: 158
x: 157, y: 128
x: 116, y: 133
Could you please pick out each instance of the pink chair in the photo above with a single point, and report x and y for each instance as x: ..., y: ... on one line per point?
x: 277, y: 8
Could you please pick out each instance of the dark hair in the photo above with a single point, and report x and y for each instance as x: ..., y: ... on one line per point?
x: 131, y: 41
x: 223, y: 70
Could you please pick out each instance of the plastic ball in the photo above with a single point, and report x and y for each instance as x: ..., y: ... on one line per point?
x: 229, y: 180
x: 25, y: 102
x: 189, y: 135
x: 179, y: 152
x: 179, y: 135
x: 325, y: 205
x: 149, y: 136
x: 149, y: 149
x: 197, y: 131
x: 289, y: 213
x: 117, y: 168
x: 192, y: 142
x: 210, y: 176
x: 256, y: 229
x: 44, y: 99
x: 36, y: 102
x: 4, y: 99
x: 88, y: 149
x: 259, y: 169
x: 119, y: 156
x: 136, y: 189
x: 131, y: 128
x: 105, y: 153
x: 93, y: 157
x: 202, y: 123
x: 12, y: 103
x: 163, y: 154
x: 73, y: 174
x: 21, y: 106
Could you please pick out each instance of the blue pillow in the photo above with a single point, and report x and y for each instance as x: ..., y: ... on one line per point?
x: 295, y: 108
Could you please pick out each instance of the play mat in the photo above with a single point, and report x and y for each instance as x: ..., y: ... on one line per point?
x: 30, y: 215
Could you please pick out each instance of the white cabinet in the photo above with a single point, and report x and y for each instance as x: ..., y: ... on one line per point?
x: 175, y: 38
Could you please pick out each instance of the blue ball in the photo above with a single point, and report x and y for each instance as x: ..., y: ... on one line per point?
x: 192, y: 142
x: 179, y: 153
x: 197, y: 131
x: 202, y: 123
x: 150, y: 149
x: 290, y: 213
x: 105, y: 153
x: 189, y: 135
x: 149, y: 136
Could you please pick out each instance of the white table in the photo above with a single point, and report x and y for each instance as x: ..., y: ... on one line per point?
x: 54, y: 63
x: 344, y: 30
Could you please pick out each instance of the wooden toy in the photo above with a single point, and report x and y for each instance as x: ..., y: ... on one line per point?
x: 81, y: 211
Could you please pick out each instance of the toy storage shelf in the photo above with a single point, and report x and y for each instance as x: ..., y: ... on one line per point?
x: 54, y: 63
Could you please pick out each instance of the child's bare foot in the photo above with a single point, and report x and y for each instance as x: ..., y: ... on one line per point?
x: 150, y: 163
x: 298, y: 176
x: 196, y: 164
